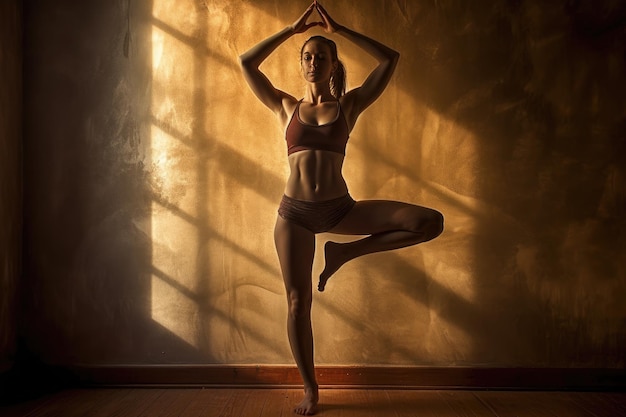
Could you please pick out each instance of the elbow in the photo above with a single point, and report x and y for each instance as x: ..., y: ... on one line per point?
x: 395, y: 57
x: 243, y: 61
x: 247, y: 64
x: 391, y: 58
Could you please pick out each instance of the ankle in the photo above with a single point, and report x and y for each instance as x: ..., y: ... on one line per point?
x: 311, y: 389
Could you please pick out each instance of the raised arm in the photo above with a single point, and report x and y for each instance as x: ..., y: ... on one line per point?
x: 252, y: 59
x: 361, y: 97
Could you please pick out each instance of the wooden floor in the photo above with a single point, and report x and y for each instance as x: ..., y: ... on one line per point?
x: 156, y: 402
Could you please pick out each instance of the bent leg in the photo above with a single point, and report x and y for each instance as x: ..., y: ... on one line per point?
x: 295, y: 246
x: 389, y: 224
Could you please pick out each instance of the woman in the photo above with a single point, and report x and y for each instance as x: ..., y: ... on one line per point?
x: 316, y: 197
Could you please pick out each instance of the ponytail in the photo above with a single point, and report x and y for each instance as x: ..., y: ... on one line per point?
x: 338, y: 81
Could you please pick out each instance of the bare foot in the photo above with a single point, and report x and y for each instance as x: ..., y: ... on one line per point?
x: 334, y: 261
x: 308, y: 405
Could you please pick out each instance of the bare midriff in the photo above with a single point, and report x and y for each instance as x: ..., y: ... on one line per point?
x: 315, y: 176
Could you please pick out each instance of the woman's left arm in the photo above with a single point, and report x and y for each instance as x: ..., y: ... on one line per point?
x: 377, y: 81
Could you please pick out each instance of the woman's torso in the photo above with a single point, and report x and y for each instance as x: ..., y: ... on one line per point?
x: 316, y: 174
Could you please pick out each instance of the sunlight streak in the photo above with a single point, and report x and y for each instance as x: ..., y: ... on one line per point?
x: 175, y: 311
x: 175, y: 235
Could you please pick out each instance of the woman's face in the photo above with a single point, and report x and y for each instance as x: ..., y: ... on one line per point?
x: 317, y: 63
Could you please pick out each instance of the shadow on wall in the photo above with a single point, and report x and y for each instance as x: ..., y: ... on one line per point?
x: 87, y: 196
x: 10, y: 176
x: 151, y: 192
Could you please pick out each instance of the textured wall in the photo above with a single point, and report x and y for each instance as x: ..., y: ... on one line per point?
x: 10, y: 173
x: 153, y: 176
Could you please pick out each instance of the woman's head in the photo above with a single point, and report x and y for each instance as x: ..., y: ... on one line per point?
x: 319, y: 61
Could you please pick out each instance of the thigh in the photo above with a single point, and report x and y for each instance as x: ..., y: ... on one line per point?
x: 295, y: 246
x: 377, y: 216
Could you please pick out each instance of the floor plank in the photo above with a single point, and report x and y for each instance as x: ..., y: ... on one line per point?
x: 422, y: 403
x: 86, y: 402
x: 25, y: 408
x: 278, y: 404
x: 67, y: 403
x: 196, y: 402
x: 254, y: 404
x: 466, y: 404
x: 601, y: 404
x: 212, y: 403
x: 135, y: 403
x: 171, y: 403
x: 535, y: 404
x: 236, y: 405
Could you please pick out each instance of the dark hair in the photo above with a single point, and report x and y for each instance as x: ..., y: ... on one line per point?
x: 338, y: 78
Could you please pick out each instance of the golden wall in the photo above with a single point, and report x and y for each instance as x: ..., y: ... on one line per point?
x: 154, y: 175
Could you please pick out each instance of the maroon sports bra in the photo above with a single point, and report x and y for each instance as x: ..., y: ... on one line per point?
x: 331, y: 136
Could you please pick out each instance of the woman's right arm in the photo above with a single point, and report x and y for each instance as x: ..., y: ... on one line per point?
x: 252, y: 59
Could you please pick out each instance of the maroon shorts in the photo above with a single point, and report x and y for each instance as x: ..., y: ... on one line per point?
x: 316, y: 216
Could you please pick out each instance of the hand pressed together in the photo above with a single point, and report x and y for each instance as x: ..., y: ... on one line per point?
x: 301, y: 25
x: 329, y: 25
x: 327, y: 22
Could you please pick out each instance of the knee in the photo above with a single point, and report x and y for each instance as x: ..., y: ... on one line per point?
x: 299, y: 303
x: 434, y: 226
x: 428, y: 225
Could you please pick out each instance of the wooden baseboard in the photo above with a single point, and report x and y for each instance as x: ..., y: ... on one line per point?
x: 354, y: 376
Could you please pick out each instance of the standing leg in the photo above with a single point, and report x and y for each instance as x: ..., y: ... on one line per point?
x: 296, y: 248
x: 389, y: 224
